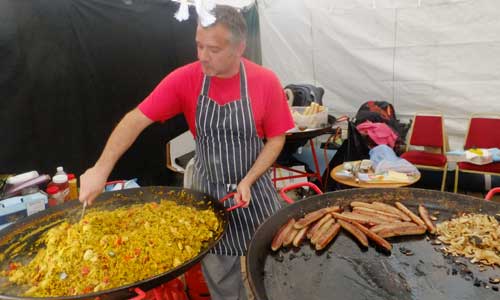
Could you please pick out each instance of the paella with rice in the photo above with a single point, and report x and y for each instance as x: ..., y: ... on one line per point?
x: 109, y: 249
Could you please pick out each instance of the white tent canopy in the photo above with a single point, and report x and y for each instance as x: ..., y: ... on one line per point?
x: 427, y: 55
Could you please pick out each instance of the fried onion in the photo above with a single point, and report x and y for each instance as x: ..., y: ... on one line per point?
x: 476, y: 236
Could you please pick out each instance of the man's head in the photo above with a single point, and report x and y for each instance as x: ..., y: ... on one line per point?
x: 221, y: 45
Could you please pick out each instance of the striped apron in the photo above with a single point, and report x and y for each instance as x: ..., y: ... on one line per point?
x: 227, y: 146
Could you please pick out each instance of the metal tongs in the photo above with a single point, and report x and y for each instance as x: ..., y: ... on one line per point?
x: 83, y: 210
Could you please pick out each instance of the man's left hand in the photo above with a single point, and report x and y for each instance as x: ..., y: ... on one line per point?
x: 243, y: 193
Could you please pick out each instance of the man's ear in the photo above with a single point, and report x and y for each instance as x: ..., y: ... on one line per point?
x: 241, y: 48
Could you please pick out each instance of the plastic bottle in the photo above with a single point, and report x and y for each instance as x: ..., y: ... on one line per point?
x: 54, y: 195
x: 61, y: 181
x: 60, y: 171
x: 73, y: 188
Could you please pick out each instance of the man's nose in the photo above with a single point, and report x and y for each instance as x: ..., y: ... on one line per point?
x: 203, y: 55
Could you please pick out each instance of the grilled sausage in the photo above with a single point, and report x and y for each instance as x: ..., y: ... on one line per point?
x: 427, y: 220
x: 398, y: 231
x: 361, y: 204
x: 290, y: 236
x: 373, y: 236
x: 327, y: 236
x: 391, y: 209
x: 383, y: 211
x: 358, y: 234
x: 319, y: 233
x: 364, y: 219
x: 412, y: 216
x: 317, y: 225
x: 300, y: 237
x: 279, y: 237
x: 378, y: 228
x: 378, y: 214
x: 314, y: 216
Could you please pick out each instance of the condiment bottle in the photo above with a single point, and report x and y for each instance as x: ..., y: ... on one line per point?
x: 61, y: 181
x: 54, y: 195
x: 73, y: 188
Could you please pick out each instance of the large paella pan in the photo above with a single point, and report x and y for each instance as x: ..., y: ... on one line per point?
x: 347, y: 270
x: 17, y: 242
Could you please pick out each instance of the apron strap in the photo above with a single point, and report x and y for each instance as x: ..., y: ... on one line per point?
x: 243, y: 82
x: 205, y: 86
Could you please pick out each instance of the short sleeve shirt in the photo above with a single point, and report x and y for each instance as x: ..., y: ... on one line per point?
x: 178, y: 93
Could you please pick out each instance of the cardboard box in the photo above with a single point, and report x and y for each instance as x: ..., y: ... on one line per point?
x: 15, y: 208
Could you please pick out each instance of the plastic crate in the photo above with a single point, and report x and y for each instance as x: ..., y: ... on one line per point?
x: 195, y: 296
x: 195, y: 282
x: 172, y: 290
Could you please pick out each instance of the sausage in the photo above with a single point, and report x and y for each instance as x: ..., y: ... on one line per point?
x: 427, y: 220
x: 364, y: 219
x: 391, y: 209
x: 412, y: 216
x: 358, y: 234
x: 373, y: 236
x: 377, y: 214
x: 314, y: 216
x: 300, y: 236
x: 331, y: 209
x: 378, y: 228
x: 317, y: 225
x: 279, y: 237
x: 382, y: 212
x: 361, y: 204
x: 327, y: 236
x: 290, y: 236
x: 317, y: 235
x: 398, y: 231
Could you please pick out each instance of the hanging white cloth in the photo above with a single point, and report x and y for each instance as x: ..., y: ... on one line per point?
x: 203, y: 9
x: 183, y: 13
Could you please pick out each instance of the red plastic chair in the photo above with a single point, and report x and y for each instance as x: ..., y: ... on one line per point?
x: 427, y: 132
x: 482, y: 133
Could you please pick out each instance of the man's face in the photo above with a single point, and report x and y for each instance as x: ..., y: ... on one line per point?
x: 219, y: 56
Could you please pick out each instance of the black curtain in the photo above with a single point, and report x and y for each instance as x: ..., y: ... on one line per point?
x: 70, y: 70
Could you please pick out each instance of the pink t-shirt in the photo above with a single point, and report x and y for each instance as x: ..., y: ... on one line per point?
x: 178, y: 93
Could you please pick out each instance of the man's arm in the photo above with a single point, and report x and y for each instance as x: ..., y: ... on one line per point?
x: 92, y: 182
x: 266, y: 158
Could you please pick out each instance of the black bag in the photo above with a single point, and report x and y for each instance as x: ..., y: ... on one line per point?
x: 383, y: 112
x: 304, y: 94
x: 377, y: 112
x: 353, y: 148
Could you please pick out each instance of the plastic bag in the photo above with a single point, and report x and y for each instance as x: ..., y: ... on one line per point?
x: 384, y: 159
x: 400, y: 165
x: 382, y: 152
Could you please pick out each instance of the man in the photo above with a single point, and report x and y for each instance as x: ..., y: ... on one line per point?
x: 231, y: 105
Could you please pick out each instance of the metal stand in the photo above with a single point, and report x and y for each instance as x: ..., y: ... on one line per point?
x: 316, y: 173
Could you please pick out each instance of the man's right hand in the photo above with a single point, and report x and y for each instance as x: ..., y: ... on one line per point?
x: 92, y: 184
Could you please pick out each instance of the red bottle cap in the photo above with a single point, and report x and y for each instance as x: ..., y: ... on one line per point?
x: 71, y: 176
x: 53, y: 189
